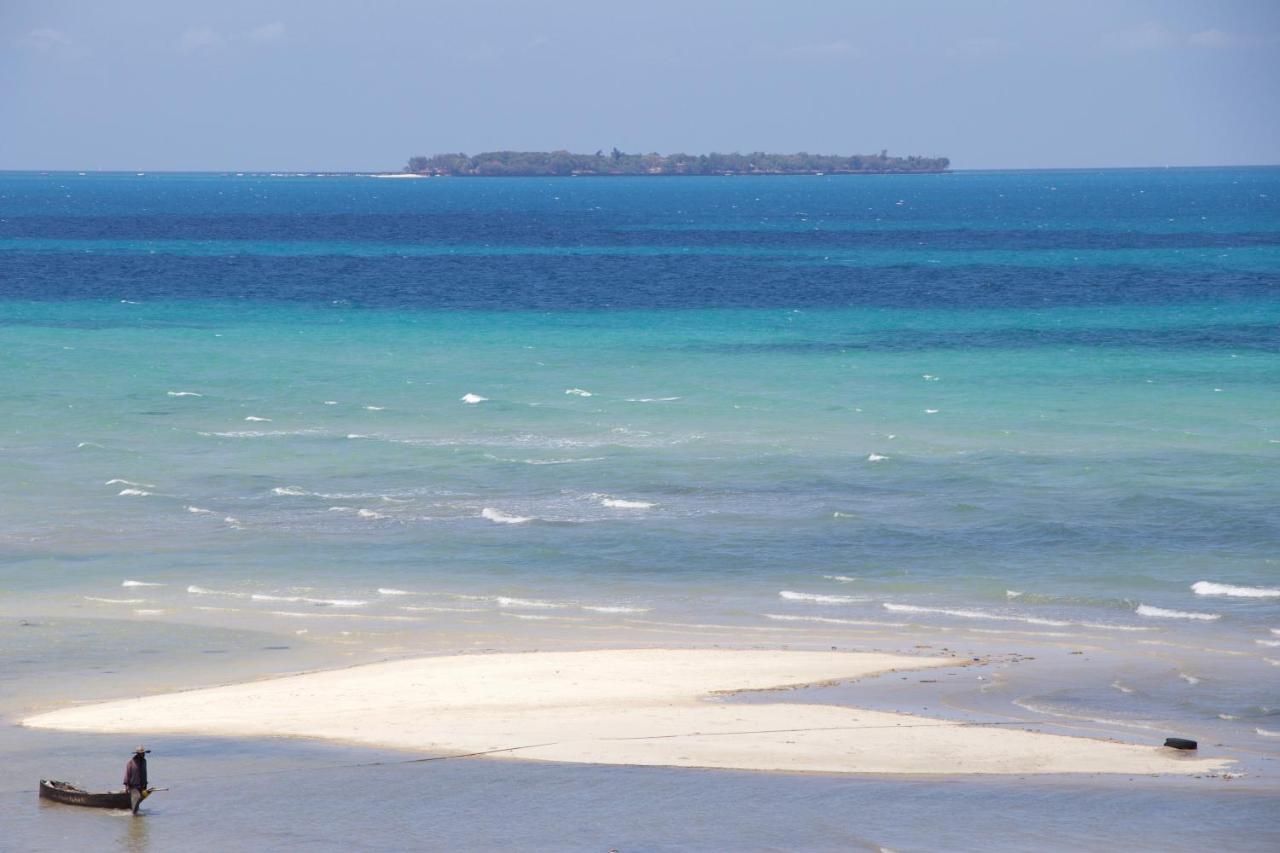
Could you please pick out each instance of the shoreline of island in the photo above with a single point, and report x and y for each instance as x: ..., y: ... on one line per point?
x: 562, y: 163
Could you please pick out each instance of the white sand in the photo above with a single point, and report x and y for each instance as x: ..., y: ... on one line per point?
x: 647, y: 707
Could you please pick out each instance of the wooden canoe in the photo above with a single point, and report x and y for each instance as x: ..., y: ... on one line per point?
x: 63, y: 792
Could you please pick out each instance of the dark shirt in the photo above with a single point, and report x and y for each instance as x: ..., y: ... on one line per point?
x: 135, y: 773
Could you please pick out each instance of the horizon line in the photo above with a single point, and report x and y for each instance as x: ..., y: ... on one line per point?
x: 292, y: 172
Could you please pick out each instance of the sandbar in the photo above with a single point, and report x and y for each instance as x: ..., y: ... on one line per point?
x: 654, y: 707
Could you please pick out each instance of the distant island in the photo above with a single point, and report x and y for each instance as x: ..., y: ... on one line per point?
x: 563, y: 163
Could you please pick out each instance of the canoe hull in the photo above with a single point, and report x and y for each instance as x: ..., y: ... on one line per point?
x: 62, y: 792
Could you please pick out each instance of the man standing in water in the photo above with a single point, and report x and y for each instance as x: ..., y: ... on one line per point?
x: 135, y: 777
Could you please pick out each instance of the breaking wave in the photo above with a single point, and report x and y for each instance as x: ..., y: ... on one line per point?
x: 619, y: 503
x: 201, y: 590
x: 500, y: 517
x: 318, y: 602
x: 817, y: 598
x: 831, y: 621
x: 1211, y: 588
x: 505, y: 601
x: 1002, y: 617
x: 1161, y: 613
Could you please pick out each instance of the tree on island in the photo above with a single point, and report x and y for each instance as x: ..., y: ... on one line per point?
x: 562, y: 163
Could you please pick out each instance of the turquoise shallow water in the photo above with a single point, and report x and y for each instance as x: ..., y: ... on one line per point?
x: 798, y: 410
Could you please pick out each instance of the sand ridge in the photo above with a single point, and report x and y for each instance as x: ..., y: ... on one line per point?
x: 625, y: 706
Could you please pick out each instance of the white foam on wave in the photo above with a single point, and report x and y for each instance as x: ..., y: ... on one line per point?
x: 561, y: 461
x: 293, y: 491
x: 140, y: 583
x: 472, y: 398
x: 1121, y: 687
x: 1266, y: 732
x: 1012, y: 593
x: 1162, y: 613
x: 929, y: 377
x: 1190, y: 679
x: 1005, y: 617
x: 507, y: 601
x: 530, y: 616
x: 256, y: 419
x: 608, y: 608
x: 578, y: 392
x: 839, y: 514
x: 382, y: 590
x: 500, y: 517
x: 653, y: 399
x: 200, y: 511
x: 839, y: 578
x: 331, y: 402
x: 832, y: 621
x: 255, y: 433
x: 371, y: 515
x: 134, y: 493
x: 183, y: 394
x: 817, y: 598
x: 375, y: 408
x: 619, y: 503
x: 1211, y: 588
x: 294, y: 614
x: 1271, y: 643
x: 119, y: 482
x: 931, y: 411
x: 319, y: 602
x: 201, y: 590
x: 434, y: 609
x: 876, y: 457
x: 115, y: 600
x: 1272, y: 661
x: 89, y: 444
x: 148, y: 612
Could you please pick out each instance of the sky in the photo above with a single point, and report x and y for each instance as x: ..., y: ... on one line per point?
x: 305, y: 85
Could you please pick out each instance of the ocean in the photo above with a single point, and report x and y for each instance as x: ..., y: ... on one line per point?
x: 257, y: 423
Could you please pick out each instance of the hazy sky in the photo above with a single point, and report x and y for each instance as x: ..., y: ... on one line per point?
x: 318, y: 85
